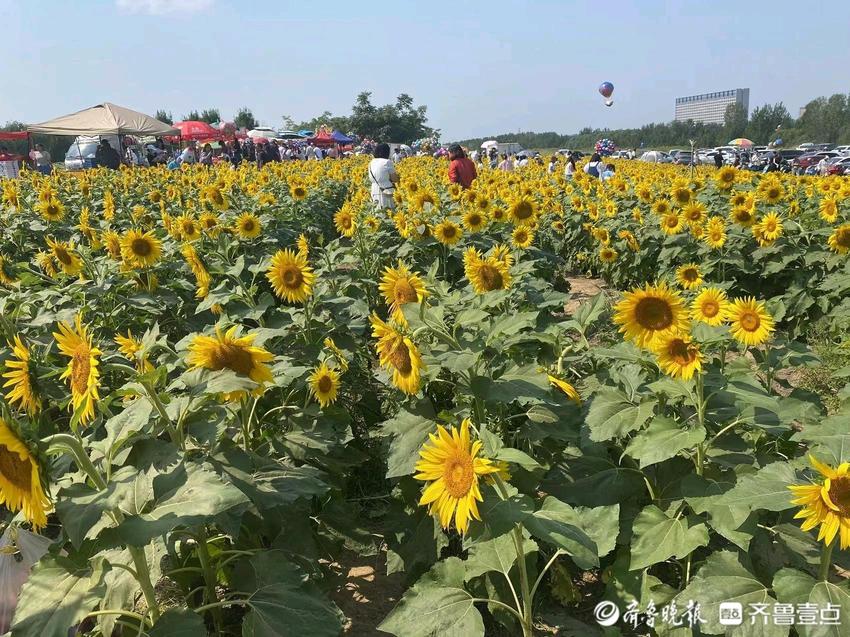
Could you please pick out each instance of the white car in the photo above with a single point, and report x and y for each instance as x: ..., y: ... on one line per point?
x: 842, y: 150
x: 656, y: 157
x: 806, y: 146
x: 81, y: 153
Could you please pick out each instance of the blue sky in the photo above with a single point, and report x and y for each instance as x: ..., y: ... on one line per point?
x: 481, y: 67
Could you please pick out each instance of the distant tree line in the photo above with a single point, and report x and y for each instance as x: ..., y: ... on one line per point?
x: 824, y: 120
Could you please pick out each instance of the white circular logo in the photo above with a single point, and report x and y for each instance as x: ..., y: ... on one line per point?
x: 606, y: 613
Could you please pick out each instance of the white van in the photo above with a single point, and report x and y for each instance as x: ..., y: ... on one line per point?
x: 82, y: 151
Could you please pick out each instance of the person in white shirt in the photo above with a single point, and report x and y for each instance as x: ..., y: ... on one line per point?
x: 188, y: 155
x: 396, y: 156
x: 523, y: 161
x: 318, y: 153
x: 383, y: 177
x: 570, y: 170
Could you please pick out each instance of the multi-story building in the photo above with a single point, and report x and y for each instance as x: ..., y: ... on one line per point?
x: 710, y: 108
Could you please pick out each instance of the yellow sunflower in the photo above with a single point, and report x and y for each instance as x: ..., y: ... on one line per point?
x: 662, y: 207
x: 344, y: 222
x: 397, y: 354
x: 689, y: 276
x: 826, y: 504
x: 69, y: 261
x: 486, y: 274
x: 188, y: 228
x: 451, y: 466
x: 750, y: 322
x: 401, y: 286
x: 210, y: 224
x: 81, y: 372
x: 565, y: 387
x: 247, y: 226
x: 672, y: 223
x: 21, y: 379
x: 324, y: 384
x: 770, y: 227
x: 303, y: 245
x: 298, y: 191
x: 725, y: 177
x: 649, y: 313
x: 236, y: 353
x: 522, y: 237
x: 522, y: 211
x: 290, y: 276
x: 7, y: 276
x: 710, y: 307
x: 678, y: 356
x: 715, y: 237
x: 828, y: 209
x: 475, y: 220
x: 21, y: 485
x: 694, y: 213
x: 839, y: 240
x: 607, y: 254
x: 448, y: 232
x: 52, y: 209
x: 743, y: 216
x: 130, y: 346
x: 140, y: 249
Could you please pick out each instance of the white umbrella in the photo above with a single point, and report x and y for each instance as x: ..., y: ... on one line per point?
x: 490, y: 144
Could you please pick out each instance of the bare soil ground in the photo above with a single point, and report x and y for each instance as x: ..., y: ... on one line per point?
x: 581, y: 289
x: 365, y: 593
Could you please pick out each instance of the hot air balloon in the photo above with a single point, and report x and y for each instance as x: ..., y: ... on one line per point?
x: 609, y: 102
x: 606, y: 89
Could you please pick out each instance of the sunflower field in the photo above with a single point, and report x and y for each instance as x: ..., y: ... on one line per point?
x: 216, y: 382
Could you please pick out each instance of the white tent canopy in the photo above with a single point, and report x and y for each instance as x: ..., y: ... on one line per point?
x: 104, y: 119
x: 490, y: 144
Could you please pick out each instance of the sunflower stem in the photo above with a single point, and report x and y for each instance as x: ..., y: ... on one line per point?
x: 826, y: 561
x: 525, y: 611
x: 62, y: 443
x: 144, y: 579
x: 160, y: 408
x: 209, y: 577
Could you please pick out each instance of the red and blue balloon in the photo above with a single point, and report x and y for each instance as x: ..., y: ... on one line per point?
x: 606, y: 90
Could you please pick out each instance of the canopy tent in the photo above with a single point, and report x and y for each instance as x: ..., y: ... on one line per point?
x: 14, y: 136
x: 339, y: 138
x: 322, y: 138
x: 104, y: 119
x: 196, y: 132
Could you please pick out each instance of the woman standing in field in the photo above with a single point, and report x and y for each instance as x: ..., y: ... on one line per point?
x: 461, y: 168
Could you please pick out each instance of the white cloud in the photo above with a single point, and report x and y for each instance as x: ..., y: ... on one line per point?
x: 161, y: 7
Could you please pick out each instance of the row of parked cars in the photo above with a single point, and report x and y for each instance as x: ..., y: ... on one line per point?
x: 805, y: 159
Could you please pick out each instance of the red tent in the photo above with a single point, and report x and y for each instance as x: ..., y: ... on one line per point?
x: 322, y: 138
x: 196, y: 131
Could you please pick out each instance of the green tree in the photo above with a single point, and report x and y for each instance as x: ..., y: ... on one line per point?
x: 734, y: 121
x: 764, y: 121
x: 164, y: 116
x: 210, y: 116
x: 245, y: 119
x: 192, y: 116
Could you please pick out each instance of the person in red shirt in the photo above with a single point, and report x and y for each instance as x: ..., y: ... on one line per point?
x: 461, y: 168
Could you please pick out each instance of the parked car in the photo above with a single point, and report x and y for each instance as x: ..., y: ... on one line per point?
x: 842, y: 150
x: 806, y: 146
x: 822, y: 147
x: 83, y: 149
x: 656, y: 157
x: 838, y: 166
x: 621, y: 154
x: 810, y: 159
x: 683, y: 157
